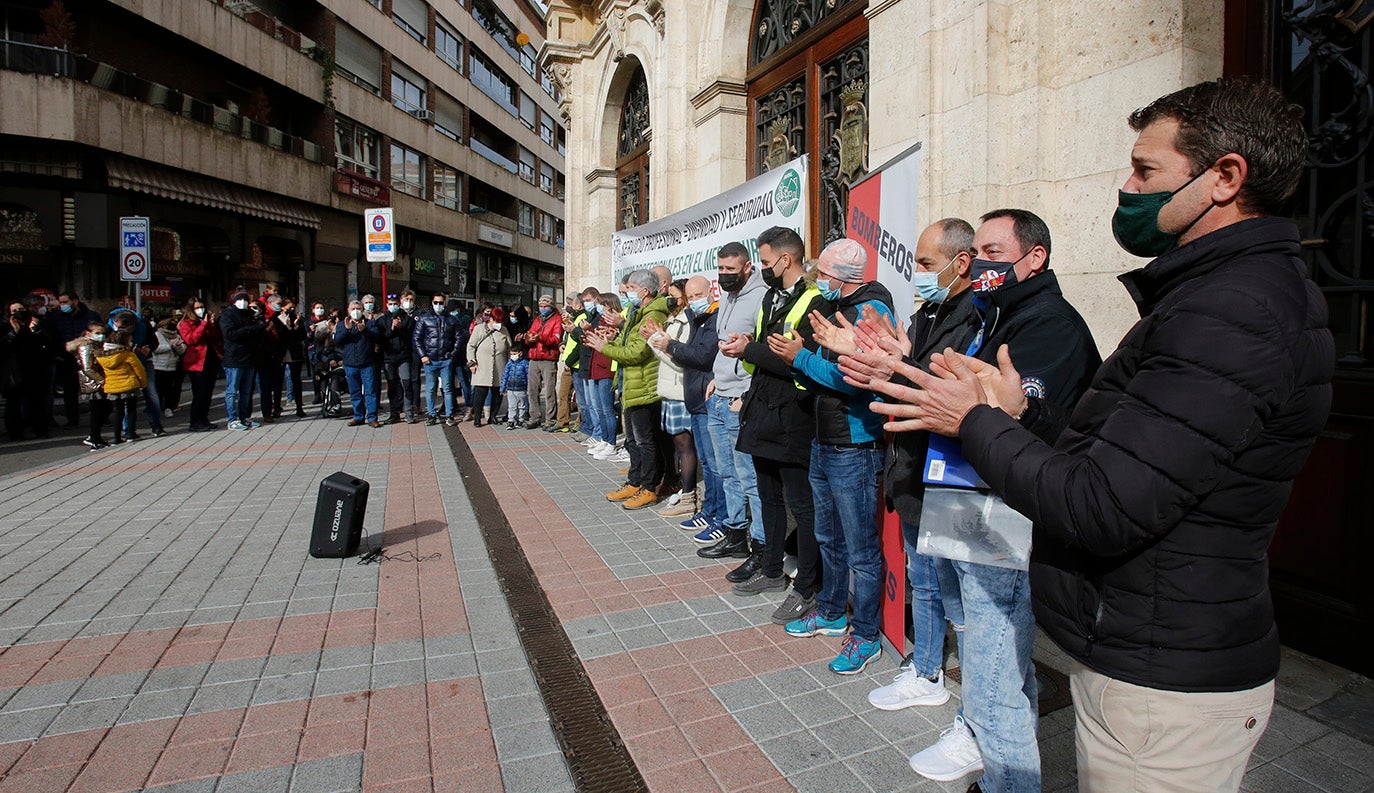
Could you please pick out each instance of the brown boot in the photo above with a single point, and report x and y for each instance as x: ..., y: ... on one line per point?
x: 624, y: 493
x: 644, y: 498
x: 687, y: 504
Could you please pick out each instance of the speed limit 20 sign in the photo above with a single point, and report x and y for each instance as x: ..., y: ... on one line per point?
x: 133, y: 249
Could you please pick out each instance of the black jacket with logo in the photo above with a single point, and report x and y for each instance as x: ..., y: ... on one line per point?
x: 1157, y: 501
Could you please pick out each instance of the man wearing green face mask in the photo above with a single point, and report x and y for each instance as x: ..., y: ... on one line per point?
x: 1155, y: 503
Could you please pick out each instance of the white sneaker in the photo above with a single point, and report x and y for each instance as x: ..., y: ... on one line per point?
x: 619, y: 456
x: 167, y: 413
x: 910, y: 688
x: 589, y: 442
x: 598, y: 447
x: 953, y: 756
x: 606, y: 452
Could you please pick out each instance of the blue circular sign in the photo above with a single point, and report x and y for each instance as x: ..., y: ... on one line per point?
x: 378, y: 223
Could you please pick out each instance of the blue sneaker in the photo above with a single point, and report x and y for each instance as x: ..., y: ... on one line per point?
x: 695, y: 523
x: 854, y: 655
x: 710, y: 535
x: 813, y: 624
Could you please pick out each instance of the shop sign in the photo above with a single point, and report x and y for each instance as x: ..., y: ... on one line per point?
x: 9, y: 257
x: 494, y: 235
x: 360, y: 186
x: 157, y: 292
x: 423, y: 266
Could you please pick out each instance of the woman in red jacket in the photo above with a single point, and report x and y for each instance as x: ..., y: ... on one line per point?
x: 204, y: 347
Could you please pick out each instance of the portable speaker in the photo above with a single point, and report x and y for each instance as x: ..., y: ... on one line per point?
x: 339, y: 516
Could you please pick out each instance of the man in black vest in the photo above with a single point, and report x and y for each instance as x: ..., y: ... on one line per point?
x: 1155, y: 501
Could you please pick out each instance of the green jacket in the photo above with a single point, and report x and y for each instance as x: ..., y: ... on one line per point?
x: 636, y: 357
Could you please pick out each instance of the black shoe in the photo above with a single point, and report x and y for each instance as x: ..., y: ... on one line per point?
x: 751, y: 565
x: 133, y: 436
x: 159, y: 432
x: 735, y: 545
x: 300, y: 413
x: 431, y: 421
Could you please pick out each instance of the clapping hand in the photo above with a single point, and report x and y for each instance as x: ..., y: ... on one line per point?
x: 649, y: 328
x: 839, y: 339
x: 733, y: 347
x: 943, y: 397
x: 785, y: 347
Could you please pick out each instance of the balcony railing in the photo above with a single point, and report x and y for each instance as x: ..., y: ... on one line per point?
x: 34, y: 59
x: 250, y: 13
x: 493, y: 155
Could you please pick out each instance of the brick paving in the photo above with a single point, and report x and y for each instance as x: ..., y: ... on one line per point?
x: 163, y: 628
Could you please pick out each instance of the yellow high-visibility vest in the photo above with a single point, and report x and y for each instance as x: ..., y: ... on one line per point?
x: 794, y: 316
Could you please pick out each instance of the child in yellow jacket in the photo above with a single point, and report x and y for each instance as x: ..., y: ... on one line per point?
x: 125, y: 377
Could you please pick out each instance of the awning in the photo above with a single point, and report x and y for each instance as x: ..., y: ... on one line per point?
x: 166, y: 183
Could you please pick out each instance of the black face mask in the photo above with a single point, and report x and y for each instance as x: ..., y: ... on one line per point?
x: 730, y: 282
x: 672, y: 303
x: 772, y: 279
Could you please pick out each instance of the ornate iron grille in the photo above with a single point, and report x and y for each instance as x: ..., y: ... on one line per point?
x: 634, y: 115
x: 1322, y: 58
x: 779, y: 22
x: 780, y: 128
x: 630, y: 203
x: 844, y: 134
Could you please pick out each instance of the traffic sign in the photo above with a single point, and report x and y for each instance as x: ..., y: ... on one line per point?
x: 381, y: 236
x: 133, y: 249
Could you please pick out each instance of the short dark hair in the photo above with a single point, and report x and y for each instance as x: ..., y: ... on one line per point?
x: 733, y: 250
x: 956, y: 237
x: 1238, y: 116
x: 438, y: 294
x: 1029, y: 229
x: 70, y: 294
x: 592, y: 291
x: 784, y: 240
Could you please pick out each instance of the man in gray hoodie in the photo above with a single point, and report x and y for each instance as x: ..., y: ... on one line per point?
x: 742, y: 290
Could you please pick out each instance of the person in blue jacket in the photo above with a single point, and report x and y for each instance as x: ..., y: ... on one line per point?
x: 355, y: 341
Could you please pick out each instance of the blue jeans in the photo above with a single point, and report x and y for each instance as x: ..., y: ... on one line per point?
x: 927, y: 609
x: 602, y: 404
x: 712, y: 494
x: 463, y: 375
x: 238, y: 392
x: 586, y: 419
x: 844, y: 486
x: 443, y: 370
x: 990, y: 608
x: 362, y: 386
x: 737, y: 478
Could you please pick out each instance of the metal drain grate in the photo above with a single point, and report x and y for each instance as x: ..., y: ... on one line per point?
x: 597, y: 757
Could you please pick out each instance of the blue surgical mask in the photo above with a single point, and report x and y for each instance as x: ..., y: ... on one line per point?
x: 928, y: 284
x: 544, y: 311
x: 589, y: 306
x: 66, y: 309
x: 393, y: 308
x: 632, y: 299
x: 828, y: 290
x: 700, y: 306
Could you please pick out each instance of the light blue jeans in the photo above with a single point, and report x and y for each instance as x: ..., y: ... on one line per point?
x: 737, y: 478
x: 238, y: 392
x: 586, y: 417
x: 712, y: 494
x: 443, y: 371
x: 602, y: 404
x: 990, y: 608
x: 927, y: 609
x: 844, y: 488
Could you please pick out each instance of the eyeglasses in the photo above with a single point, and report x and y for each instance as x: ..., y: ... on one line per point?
x: 436, y: 304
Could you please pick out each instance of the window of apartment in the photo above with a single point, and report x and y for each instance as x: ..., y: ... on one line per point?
x: 528, y: 110
x: 407, y: 89
x: 356, y: 147
x: 448, y: 116
x: 448, y: 45
x: 546, y: 82
x: 529, y: 56
x: 376, y: 4
x: 546, y: 127
x: 494, y: 22
x: 413, y: 17
x: 493, y: 82
x: 528, y: 164
x: 357, y: 59
x: 447, y: 186
x: 407, y: 171
x: 546, y: 177
x: 546, y: 232
x: 526, y: 219
x: 559, y: 187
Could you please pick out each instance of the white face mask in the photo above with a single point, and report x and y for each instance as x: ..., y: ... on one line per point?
x: 319, y: 312
x: 97, y: 337
x: 356, y: 314
x: 240, y: 304
x: 369, y: 307
x: 200, y: 312
x: 407, y: 304
x: 108, y: 347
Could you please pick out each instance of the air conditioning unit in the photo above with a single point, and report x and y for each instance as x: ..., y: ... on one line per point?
x: 423, y: 115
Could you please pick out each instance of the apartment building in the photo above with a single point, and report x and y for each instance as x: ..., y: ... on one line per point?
x: 254, y: 134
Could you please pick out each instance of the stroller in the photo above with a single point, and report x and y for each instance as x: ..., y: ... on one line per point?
x: 334, y: 387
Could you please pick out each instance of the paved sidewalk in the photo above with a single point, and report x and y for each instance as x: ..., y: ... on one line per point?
x: 163, y: 628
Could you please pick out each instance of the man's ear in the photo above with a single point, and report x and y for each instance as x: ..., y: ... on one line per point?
x: 1232, y: 169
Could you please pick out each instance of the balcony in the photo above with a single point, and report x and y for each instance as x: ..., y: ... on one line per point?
x: 493, y: 155
x: 34, y: 59
x: 268, y: 24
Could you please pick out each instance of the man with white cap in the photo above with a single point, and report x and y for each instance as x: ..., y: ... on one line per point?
x: 846, y: 463
x: 543, y: 343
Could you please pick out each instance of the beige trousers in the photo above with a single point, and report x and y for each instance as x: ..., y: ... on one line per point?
x: 1132, y: 738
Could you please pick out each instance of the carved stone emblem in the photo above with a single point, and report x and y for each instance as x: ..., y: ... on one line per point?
x: 852, y: 135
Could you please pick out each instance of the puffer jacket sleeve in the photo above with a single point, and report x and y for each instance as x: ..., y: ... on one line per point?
x: 1211, y: 370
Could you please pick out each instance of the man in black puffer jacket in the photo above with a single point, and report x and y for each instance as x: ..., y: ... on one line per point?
x: 1156, y: 502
